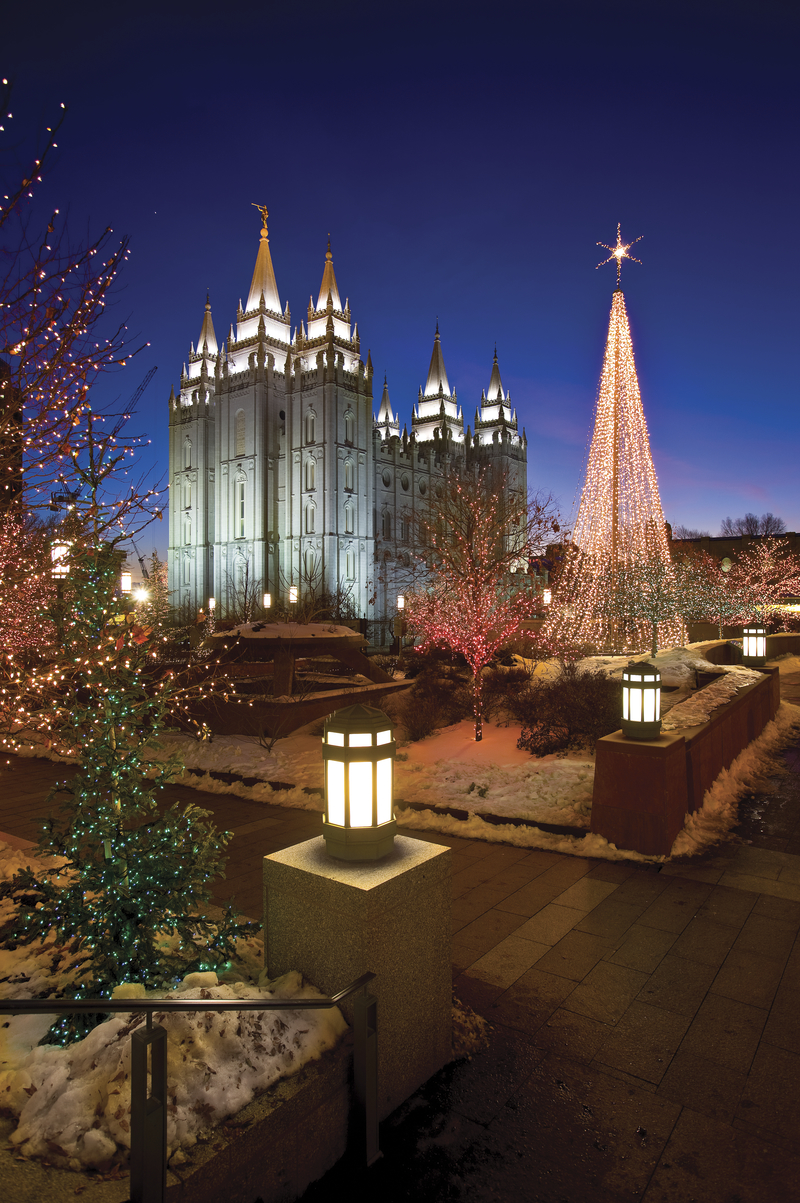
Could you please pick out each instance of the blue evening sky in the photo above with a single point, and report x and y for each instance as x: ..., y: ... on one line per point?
x: 466, y: 158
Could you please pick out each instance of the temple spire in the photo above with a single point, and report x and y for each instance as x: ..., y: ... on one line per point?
x: 263, y: 282
x: 328, y: 287
x: 207, y: 336
x: 495, y: 389
x: 385, y: 414
x: 437, y: 374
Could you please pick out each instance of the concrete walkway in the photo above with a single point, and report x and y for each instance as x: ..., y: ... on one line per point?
x: 645, y: 1040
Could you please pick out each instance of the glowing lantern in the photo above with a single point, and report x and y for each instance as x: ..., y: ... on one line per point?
x: 58, y: 556
x: 401, y: 602
x: 547, y: 596
x: 358, y: 751
x: 125, y: 583
x: 267, y: 600
x: 292, y: 594
x: 754, y: 644
x: 641, y: 700
x: 212, y: 601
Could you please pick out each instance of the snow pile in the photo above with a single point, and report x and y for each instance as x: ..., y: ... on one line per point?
x: 287, y: 630
x: 698, y: 708
x: 749, y: 772
x: 73, y: 1104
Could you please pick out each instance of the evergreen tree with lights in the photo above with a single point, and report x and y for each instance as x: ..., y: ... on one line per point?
x: 619, y: 559
x: 469, y: 596
x: 130, y: 893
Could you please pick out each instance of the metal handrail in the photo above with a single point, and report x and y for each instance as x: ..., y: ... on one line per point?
x: 149, y: 1105
x: 56, y: 1006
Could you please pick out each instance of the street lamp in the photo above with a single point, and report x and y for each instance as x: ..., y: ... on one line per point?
x: 267, y: 600
x: 292, y: 594
x: 401, y: 601
x: 140, y: 594
x: 125, y: 583
x: 358, y: 750
x: 58, y: 556
x: 641, y: 700
x: 754, y: 644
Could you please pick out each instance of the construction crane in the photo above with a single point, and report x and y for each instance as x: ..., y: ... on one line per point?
x: 67, y: 498
x: 145, y: 573
x: 142, y: 387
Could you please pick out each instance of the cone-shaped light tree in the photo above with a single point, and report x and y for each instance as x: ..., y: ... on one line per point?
x: 616, y: 591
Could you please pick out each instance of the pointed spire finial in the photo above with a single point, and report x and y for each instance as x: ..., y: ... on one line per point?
x: 328, y: 254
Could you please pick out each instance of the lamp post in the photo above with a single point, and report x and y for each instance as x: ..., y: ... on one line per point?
x: 59, y: 568
x: 641, y: 700
x: 358, y: 750
x: 267, y: 601
x: 754, y: 644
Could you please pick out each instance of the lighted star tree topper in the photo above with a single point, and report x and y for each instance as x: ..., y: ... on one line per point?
x: 619, y: 553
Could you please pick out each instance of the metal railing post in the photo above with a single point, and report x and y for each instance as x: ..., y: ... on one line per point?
x: 365, y: 1070
x: 149, y: 1114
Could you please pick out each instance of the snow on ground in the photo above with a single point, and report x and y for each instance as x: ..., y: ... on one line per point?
x: 494, y: 777
x: 73, y: 1104
x: 748, y: 773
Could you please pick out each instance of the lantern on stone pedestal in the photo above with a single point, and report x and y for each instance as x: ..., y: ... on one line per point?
x: 641, y: 700
x: 358, y: 750
x: 754, y: 644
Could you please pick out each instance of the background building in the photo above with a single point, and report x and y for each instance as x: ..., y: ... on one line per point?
x: 281, y: 474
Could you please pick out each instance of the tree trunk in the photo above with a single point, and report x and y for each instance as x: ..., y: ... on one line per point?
x: 654, y: 648
x: 477, y: 696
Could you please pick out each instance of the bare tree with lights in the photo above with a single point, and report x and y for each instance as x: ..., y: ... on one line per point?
x: 620, y: 535
x: 54, y: 339
x: 468, y: 595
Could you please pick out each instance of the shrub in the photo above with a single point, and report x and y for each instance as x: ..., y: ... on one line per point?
x: 501, y: 692
x: 572, y: 711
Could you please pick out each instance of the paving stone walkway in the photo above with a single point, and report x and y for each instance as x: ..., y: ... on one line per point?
x: 645, y: 1026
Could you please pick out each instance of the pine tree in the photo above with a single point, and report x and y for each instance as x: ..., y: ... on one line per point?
x: 153, y: 609
x: 132, y: 878
x: 620, y: 541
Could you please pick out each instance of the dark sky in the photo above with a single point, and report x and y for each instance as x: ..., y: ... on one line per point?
x: 466, y: 158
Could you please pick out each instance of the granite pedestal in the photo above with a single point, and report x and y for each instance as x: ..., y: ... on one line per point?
x: 334, y: 920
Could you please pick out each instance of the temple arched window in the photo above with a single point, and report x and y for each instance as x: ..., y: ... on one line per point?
x: 349, y: 475
x: 239, y: 432
x: 311, y: 473
x: 311, y: 426
x: 349, y: 427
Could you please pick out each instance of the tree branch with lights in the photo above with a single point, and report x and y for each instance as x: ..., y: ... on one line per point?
x: 470, y: 597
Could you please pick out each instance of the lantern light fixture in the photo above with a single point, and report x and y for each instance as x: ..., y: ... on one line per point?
x: 401, y: 601
x: 125, y: 583
x: 58, y: 557
x: 641, y: 700
x: 212, y: 601
x: 267, y: 600
x: 547, y: 596
x: 754, y: 644
x: 358, y: 750
x: 292, y: 594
